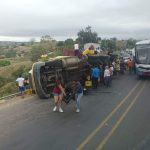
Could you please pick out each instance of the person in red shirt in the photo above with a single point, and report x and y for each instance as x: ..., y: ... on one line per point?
x: 58, y: 92
x: 130, y: 65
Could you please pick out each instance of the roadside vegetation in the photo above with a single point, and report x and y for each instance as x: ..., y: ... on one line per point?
x: 4, y: 63
x: 17, y: 57
x: 9, y: 73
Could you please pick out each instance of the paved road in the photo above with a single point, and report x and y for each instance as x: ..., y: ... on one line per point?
x: 115, y: 118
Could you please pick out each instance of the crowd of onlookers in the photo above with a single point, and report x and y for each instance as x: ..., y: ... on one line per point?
x: 105, y: 72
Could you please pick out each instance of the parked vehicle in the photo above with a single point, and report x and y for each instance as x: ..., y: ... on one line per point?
x: 142, y: 58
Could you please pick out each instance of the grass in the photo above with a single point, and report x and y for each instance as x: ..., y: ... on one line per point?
x: 9, y: 73
x: 9, y: 88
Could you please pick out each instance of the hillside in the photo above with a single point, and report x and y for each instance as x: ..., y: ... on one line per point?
x: 8, y: 75
x: 16, y: 64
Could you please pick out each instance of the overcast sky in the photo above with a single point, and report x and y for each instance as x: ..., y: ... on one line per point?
x: 62, y: 19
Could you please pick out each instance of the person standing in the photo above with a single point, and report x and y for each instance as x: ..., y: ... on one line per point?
x: 130, y: 65
x: 76, y: 49
x: 111, y: 69
x: 95, y: 76
x: 122, y: 67
x: 107, y: 76
x: 78, y: 94
x: 58, y: 92
x: 117, y: 66
x: 89, y: 51
x: 26, y: 83
x: 20, y: 81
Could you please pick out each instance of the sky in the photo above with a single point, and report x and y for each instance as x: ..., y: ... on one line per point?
x: 22, y: 20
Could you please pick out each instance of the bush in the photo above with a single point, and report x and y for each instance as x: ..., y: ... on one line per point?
x: 9, y: 88
x: 4, y: 63
x: 23, y: 71
x: 4, y: 81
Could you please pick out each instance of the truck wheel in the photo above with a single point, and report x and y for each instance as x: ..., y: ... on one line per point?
x: 37, y: 81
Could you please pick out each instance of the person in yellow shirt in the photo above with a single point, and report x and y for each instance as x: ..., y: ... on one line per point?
x: 89, y: 51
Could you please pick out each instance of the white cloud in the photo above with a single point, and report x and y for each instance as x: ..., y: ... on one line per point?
x: 64, y: 18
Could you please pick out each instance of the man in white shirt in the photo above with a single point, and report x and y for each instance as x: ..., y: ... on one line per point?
x: 20, y: 81
x: 107, y: 76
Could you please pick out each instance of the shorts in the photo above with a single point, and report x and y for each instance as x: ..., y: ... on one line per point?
x: 57, y: 94
x: 21, y: 88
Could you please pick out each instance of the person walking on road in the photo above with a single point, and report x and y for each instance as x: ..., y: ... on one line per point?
x: 20, y: 81
x: 78, y: 94
x: 58, y: 92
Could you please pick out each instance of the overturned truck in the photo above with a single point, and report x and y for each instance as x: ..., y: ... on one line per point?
x: 43, y: 75
x: 67, y: 68
x: 98, y: 59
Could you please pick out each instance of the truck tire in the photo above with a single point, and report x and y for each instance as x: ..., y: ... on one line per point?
x: 37, y: 81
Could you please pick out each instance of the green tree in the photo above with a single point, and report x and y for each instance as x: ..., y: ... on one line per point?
x: 87, y: 36
x: 121, y: 44
x: 112, y: 44
x: 36, y: 52
x: 131, y: 43
x: 109, y: 44
x: 47, y: 44
x: 60, y: 43
x: 69, y: 43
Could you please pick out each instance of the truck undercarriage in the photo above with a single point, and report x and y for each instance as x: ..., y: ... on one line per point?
x: 66, y: 68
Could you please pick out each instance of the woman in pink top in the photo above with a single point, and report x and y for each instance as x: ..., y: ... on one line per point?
x: 58, y: 92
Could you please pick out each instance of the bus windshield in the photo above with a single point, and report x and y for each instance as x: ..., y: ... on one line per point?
x: 143, y: 54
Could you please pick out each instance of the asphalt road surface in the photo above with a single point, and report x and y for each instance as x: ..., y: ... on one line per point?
x: 114, y: 118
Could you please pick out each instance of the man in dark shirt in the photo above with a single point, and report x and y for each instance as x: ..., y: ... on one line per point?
x: 78, y: 94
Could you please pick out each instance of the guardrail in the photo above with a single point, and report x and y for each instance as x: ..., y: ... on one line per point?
x: 10, y: 96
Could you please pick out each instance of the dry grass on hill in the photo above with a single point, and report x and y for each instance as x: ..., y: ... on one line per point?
x: 8, y: 89
x: 22, y: 49
x: 15, y: 65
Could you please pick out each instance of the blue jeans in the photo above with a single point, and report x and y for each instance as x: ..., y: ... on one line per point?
x: 78, y: 98
x: 21, y: 88
x: 107, y: 81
